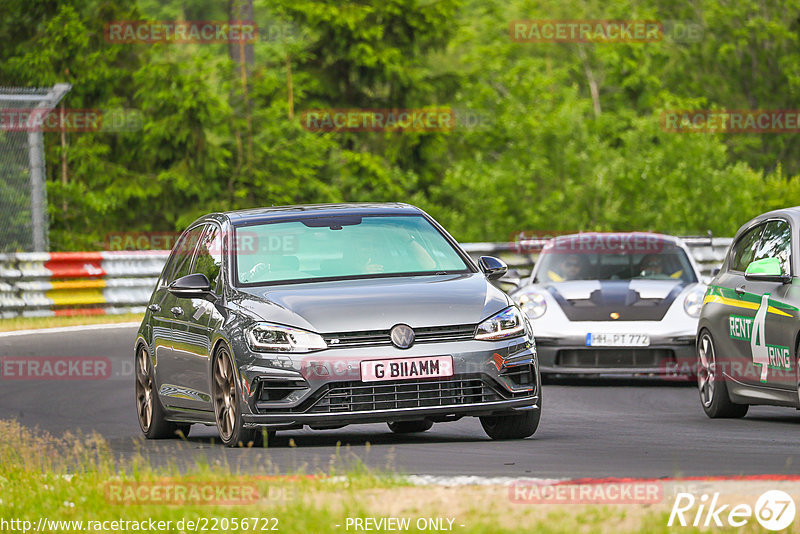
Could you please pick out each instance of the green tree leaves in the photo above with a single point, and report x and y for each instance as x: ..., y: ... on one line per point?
x: 550, y: 136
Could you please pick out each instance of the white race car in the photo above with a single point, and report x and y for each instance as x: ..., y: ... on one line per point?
x: 614, y: 304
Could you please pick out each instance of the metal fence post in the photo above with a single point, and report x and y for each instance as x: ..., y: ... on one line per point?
x: 38, y: 99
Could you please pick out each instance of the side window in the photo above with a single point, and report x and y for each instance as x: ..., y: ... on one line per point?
x: 776, y: 242
x: 183, y: 252
x: 209, y: 256
x: 745, y: 249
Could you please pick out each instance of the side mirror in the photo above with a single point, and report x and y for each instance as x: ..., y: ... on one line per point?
x: 767, y: 270
x: 715, y: 271
x: 191, y: 286
x: 492, y: 267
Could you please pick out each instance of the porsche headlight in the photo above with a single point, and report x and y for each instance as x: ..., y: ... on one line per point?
x: 533, y: 304
x: 266, y: 337
x: 507, y: 323
x: 693, y: 303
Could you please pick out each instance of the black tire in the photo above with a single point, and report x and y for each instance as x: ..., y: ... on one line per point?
x: 150, y: 413
x: 515, y: 426
x: 227, y: 403
x: 409, y: 427
x: 511, y: 426
x: 711, y: 383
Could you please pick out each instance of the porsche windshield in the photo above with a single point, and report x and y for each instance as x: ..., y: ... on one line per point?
x: 669, y: 263
x: 341, y: 247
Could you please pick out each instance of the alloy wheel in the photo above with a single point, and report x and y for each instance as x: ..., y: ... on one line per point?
x: 224, y: 394
x: 706, y: 369
x: 144, y: 390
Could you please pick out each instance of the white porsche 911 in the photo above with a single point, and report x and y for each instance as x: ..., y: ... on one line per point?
x: 614, y: 304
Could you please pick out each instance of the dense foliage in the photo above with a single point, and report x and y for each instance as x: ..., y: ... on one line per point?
x: 568, y: 136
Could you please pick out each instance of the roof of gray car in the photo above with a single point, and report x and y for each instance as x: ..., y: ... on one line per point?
x: 256, y: 215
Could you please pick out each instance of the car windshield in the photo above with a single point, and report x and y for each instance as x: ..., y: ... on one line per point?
x: 669, y: 263
x: 341, y: 247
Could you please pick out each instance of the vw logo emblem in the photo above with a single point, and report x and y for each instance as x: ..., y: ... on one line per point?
x: 402, y: 336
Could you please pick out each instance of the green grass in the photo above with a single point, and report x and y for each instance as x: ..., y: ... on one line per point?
x: 30, y: 323
x: 72, y: 478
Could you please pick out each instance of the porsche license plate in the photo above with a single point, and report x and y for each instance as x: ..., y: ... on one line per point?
x: 617, y: 340
x: 406, y: 368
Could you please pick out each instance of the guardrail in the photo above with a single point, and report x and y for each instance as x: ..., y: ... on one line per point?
x: 77, y: 283
x: 95, y: 283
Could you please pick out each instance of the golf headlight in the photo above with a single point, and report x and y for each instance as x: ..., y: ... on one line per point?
x: 533, y: 304
x: 507, y: 323
x: 265, y: 337
x: 693, y: 303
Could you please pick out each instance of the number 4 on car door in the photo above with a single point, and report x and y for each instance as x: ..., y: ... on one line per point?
x: 758, y: 345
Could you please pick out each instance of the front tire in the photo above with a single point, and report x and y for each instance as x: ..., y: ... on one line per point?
x: 711, y: 383
x: 515, y: 426
x: 150, y: 413
x: 227, y: 409
x: 511, y: 426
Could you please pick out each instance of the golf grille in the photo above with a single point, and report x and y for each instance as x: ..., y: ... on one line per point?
x: 361, y: 397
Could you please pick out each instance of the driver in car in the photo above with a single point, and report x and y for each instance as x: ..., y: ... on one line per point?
x: 652, y: 266
x: 571, y: 268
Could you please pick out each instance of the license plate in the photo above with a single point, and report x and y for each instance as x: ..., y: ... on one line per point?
x: 406, y: 368
x: 617, y: 340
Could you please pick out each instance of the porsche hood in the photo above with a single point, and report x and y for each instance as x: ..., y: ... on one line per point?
x: 631, y: 300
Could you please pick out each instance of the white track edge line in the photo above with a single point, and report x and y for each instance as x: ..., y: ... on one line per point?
x: 67, y: 329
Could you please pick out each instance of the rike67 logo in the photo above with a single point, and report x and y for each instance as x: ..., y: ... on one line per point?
x: 774, y: 510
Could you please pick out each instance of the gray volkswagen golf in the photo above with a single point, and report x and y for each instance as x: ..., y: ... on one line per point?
x: 330, y: 315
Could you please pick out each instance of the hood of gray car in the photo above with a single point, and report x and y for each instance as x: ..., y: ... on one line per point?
x: 376, y: 303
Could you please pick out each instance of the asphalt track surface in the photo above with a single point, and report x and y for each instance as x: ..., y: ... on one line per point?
x: 587, y: 429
